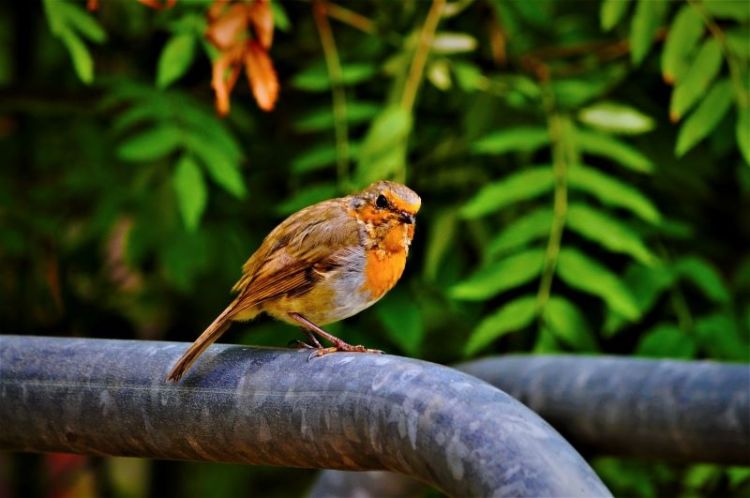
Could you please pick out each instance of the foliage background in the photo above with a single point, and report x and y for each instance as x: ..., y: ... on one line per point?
x: 583, y: 167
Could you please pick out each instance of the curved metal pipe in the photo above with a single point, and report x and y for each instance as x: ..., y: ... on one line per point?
x: 273, y: 407
x: 690, y: 411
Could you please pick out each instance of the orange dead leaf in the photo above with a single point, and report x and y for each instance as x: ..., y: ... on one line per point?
x: 216, y: 9
x: 226, y: 69
x: 229, y: 27
x: 157, y: 4
x: 261, y: 75
x: 92, y: 5
x: 262, y: 19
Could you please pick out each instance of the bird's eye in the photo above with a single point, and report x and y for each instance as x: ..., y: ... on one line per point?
x: 381, y: 202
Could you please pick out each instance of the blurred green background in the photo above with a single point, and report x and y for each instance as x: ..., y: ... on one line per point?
x: 584, y: 168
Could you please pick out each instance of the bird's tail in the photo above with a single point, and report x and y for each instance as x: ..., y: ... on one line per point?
x: 208, y: 337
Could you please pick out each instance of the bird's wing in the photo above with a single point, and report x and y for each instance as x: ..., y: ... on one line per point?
x: 297, y: 253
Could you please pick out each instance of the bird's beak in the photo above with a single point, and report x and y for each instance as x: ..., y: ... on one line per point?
x: 407, y: 218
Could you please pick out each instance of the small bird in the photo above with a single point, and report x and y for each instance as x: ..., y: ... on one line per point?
x: 322, y: 264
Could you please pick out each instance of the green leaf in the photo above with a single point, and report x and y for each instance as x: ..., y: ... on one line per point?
x: 521, y: 139
x: 612, y: 12
x: 77, y: 18
x: 439, y: 74
x: 80, y: 55
x: 738, y: 41
x: 311, y: 194
x: 183, y: 254
x: 612, y: 192
x: 502, y: 275
x: 648, y: 16
x: 445, y: 43
x: 727, y: 9
x: 706, y: 117
x: 205, y: 123
x: 175, y: 59
x: 545, y: 342
x: 719, y: 336
x: 520, y: 232
x: 684, y: 35
x: 666, y: 341
x: 737, y: 476
x: 743, y: 133
x: 280, y: 19
x: 55, y: 16
x: 704, y: 276
x: 585, y: 274
x: 613, y: 117
x: 572, y: 93
x: 191, y: 191
x: 702, y: 71
x: 135, y: 114
x: 440, y: 238
x: 315, y: 78
x: 383, y: 151
x: 150, y: 144
x: 315, y: 159
x: 608, y: 232
x: 517, y: 187
x: 322, y: 119
x: 613, y: 149
x: 402, y: 321
x: 646, y: 284
x: 567, y: 323
x: 221, y: 167
x: 513, y: 316
x: 469, y: 77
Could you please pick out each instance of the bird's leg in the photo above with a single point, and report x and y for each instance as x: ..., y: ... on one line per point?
x: 302, y: 344
x: 313, y: 339
x: 338, y: 344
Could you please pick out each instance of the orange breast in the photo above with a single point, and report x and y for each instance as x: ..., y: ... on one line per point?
x: 382, y: 270
x: 386, y: 263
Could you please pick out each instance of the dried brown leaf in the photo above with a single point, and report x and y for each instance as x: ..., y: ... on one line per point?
x: 226, y: 69
x: 261, y: 75
x: 229, y: 28
x: 261, y: 18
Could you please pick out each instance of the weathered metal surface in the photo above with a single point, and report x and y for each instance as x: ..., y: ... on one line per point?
x: 274, y: 407
x: 690, y: 411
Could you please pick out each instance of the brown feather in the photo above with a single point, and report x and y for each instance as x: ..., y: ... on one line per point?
x: 208, y: 337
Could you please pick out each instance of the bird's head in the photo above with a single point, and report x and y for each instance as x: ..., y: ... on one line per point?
x: 386, y: 203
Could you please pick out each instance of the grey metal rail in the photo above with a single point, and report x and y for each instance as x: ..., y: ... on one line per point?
x: 689, y: 411
x: 274, y: 407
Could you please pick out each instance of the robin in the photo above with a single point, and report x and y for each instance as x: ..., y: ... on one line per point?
x: 322, y: 264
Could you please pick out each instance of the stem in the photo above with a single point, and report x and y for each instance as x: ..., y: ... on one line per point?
x: 420, y: 55
x: 351, y: 18
x: 735, y: 70
x: 563, y: 156
x: 338, y: 94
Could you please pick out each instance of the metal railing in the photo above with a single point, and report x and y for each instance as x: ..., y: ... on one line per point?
x: 683, y: 411
x: 274, y: 407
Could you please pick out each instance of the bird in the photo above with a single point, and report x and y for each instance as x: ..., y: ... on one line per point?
x: 322, y: 264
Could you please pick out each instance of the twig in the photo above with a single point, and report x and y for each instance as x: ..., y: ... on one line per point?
x: 351, y: 18
x: 420, y: 55
x: 338, y: 94
x: 563, y: 156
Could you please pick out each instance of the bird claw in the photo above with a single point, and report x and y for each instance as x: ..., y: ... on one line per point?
x: 345, y: 348
x: 317, y: 352
x: 297, y: 344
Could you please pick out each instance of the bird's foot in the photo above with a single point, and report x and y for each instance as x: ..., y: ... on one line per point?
x: 344, y: 347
